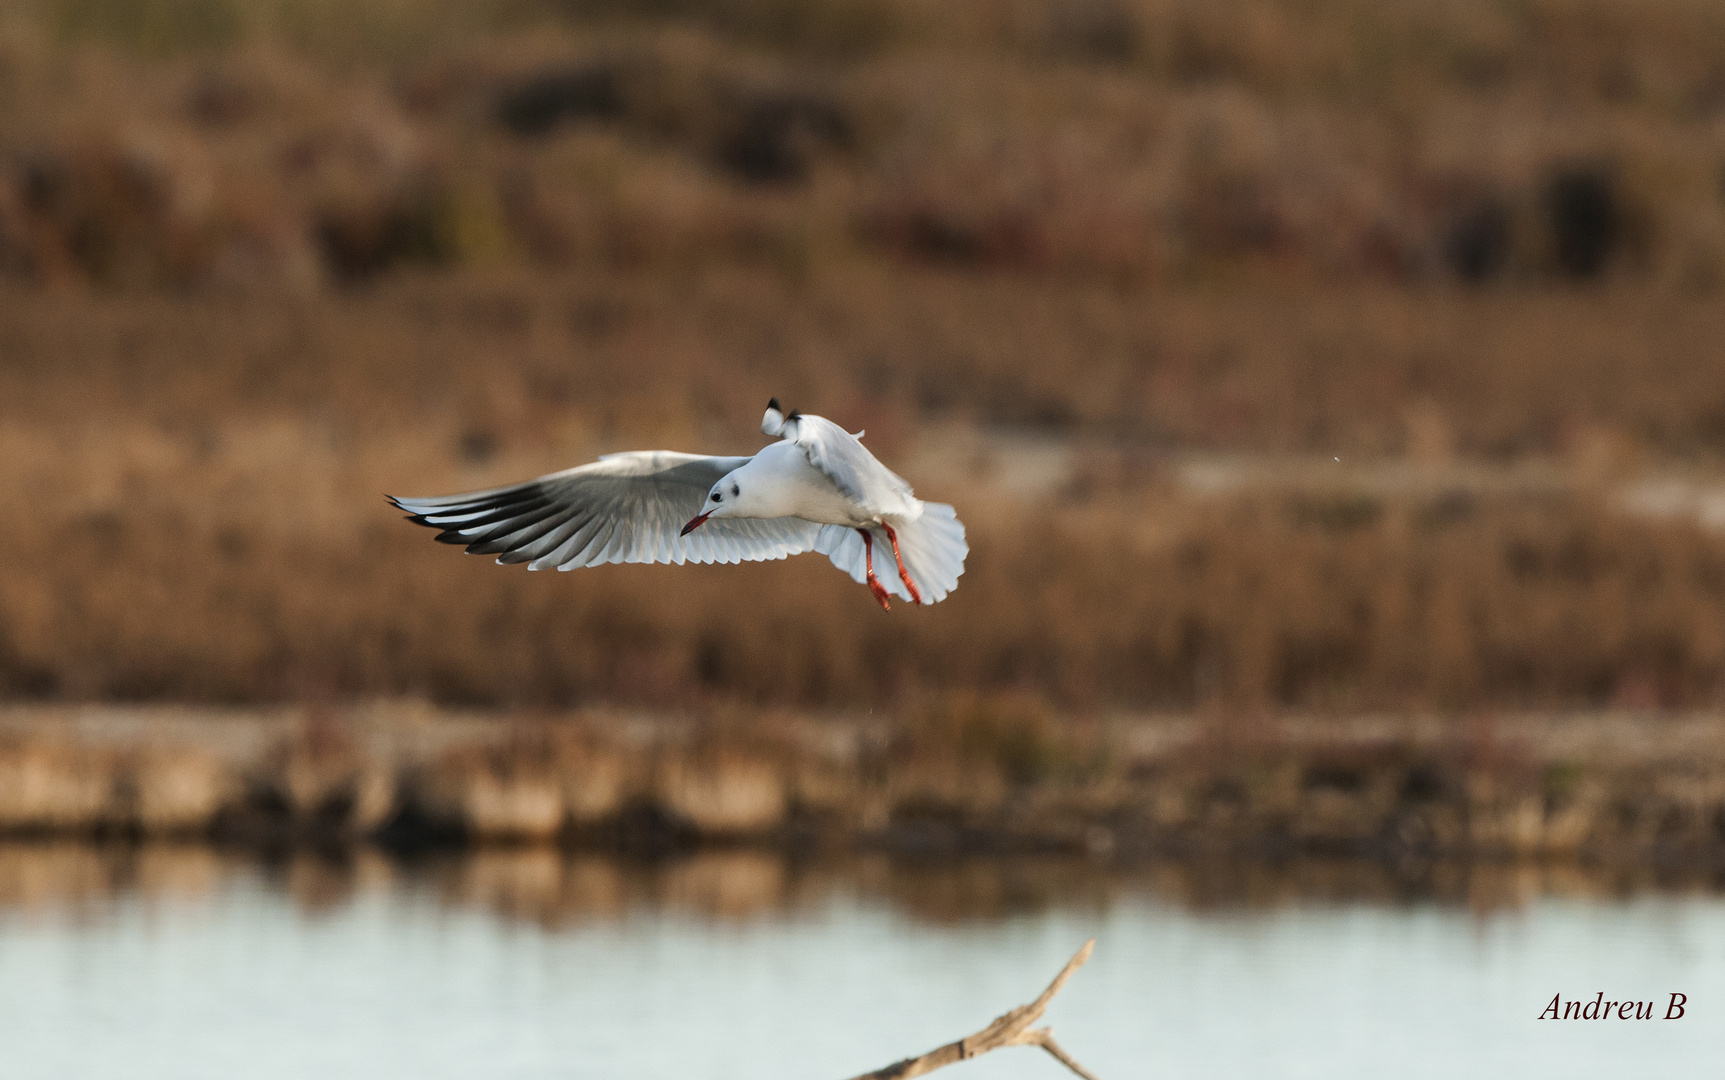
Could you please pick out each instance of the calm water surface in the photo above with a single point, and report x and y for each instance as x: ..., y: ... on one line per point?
x: 185, y: 963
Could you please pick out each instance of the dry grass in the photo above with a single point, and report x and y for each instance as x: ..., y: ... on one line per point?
x: 265, y: 261
x: 275, y: 145
x: 215, y: 531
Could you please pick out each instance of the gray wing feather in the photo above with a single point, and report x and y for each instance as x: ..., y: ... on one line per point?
x: 621, y: 508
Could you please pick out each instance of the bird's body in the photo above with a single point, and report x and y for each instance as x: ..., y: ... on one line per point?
x: 791, y: 486
x: 818, y: 489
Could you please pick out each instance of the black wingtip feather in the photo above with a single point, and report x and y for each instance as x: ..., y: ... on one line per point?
x: 794, y: 414
x: 773, y: 403
x: 492, y: 517
x: 417, y: 519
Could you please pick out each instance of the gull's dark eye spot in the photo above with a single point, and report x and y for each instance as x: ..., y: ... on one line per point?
x: 717, y: 497
x: 735, y: 490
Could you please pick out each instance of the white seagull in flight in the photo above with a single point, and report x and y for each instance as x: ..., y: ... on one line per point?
x: 817, y: 489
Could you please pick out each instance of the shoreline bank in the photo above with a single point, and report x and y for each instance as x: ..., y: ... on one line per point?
x: 978, y: 777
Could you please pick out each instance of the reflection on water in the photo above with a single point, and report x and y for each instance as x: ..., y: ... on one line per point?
x: 174, y: 961
x: 554, y: 888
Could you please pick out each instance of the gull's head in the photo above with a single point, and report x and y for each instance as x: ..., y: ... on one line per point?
x: 732, y: 496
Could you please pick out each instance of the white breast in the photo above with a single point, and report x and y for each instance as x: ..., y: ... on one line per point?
x: 789, y: 486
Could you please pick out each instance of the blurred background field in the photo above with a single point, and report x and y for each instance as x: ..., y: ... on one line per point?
x: 1333, y: 390
x: 1121, y: 280
x: 1281, y: 357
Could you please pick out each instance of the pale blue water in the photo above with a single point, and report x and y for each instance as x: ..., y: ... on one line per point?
x: 401, y: 978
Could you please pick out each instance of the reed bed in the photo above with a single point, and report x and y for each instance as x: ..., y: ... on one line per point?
x: 267, y: 567
x: 969, y: 776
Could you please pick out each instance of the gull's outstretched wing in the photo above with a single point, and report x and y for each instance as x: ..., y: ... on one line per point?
x: 852, y: 469
x: 622, y: 508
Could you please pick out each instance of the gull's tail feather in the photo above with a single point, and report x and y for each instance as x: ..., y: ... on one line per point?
x: 933, y: 548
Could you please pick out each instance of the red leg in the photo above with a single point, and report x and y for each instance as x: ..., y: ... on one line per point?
x: 902, y: 574
x: 874, y: 584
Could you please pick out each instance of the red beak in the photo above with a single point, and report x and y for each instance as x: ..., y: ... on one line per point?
x: 694, y: 523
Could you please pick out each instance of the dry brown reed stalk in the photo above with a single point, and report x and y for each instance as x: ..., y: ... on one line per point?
x: 49, y: 787
x: 177, y: 791
x: 1009, y: 1029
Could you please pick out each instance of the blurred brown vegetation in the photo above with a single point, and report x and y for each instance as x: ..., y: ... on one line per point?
x: 972, y: 774
x: 265, y: 260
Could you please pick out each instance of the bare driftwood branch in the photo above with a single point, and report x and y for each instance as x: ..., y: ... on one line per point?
x: 1011, y: 1029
